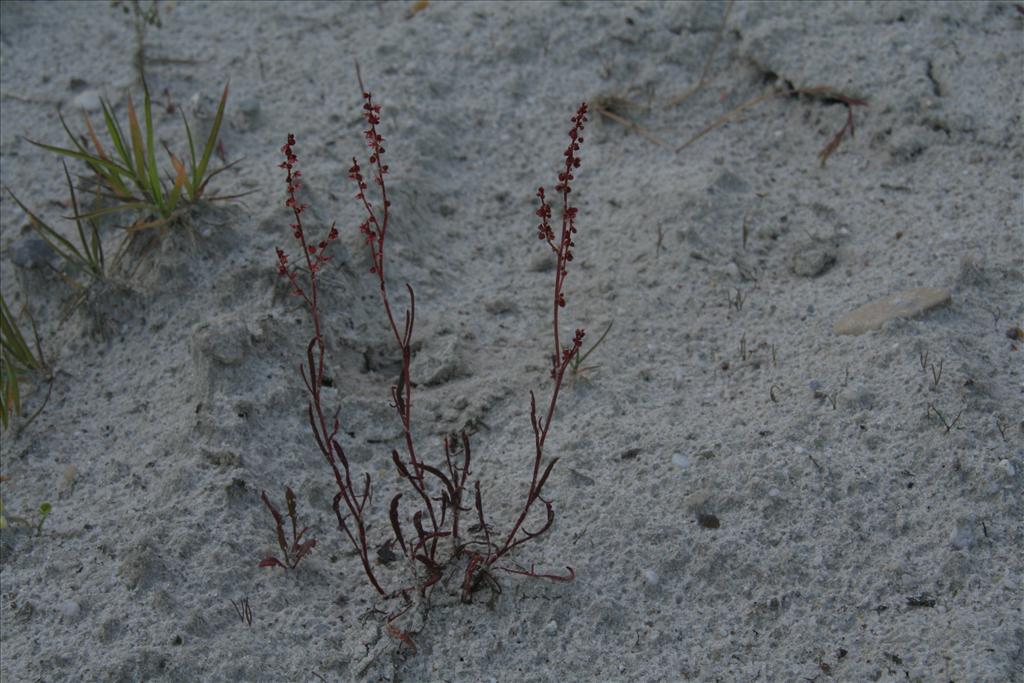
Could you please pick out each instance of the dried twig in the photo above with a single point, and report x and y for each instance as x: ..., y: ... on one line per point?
x: 706, y: 71
x: 831, y: 96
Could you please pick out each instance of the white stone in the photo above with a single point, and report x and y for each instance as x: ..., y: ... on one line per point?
x: 651, y: 577
x: 1007, y: 467
x: 87, y: 100
x: 903, y: 304
x: 680, y: 460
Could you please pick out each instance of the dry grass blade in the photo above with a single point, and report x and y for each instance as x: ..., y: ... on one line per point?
x: 828, y: 95
x: 630, y: 125
x: 728, y: 116
x: 706, y: 71
x: 197, y: 184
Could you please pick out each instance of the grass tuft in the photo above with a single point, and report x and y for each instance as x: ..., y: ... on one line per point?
x: 127, y: 174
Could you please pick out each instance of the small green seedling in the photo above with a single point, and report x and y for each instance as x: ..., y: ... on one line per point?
x: 44, y: 511
x: 577, y: 367
x: 128, y: 174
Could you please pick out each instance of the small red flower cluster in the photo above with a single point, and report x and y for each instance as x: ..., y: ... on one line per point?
x: 563, y: 248
x: 572, y: 160
x: 316, y: 254
x: 373, y: 229
x: 372, y: 113
x: 577, y: 342
x: 544, y: 231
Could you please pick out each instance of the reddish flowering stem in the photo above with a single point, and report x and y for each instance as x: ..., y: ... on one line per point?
x: 562, y: 357
x: 375, y: 229
x: 313, y: 372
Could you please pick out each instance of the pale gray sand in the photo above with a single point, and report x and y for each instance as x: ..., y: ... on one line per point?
x: 744, y: 494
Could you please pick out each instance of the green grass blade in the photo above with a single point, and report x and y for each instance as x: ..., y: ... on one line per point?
x: 189, y: 187
x: 106, y: 210
x: 74, y: 206
x: 9, y: 400
x: 64, y: 248
x: 138, y: 147
x: 96, y: 250
x: 104, y: 167
x: 108, y: 169
x: 71, y: 136
x: 116, y: 136
x: 13, y: 342
x: 180, y: 177
x: 94, y: 264
x: 152, y: 175
x: 211, y: 142
x: 593, y: 348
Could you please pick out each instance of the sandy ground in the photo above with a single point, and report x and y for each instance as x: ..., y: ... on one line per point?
x: 744, y: 494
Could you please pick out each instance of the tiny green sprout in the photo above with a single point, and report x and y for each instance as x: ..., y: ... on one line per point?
x: 577, y: 367
x: 44, y: 511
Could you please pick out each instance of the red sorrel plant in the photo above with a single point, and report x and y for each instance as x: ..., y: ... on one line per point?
x: 439, y: 494
x: 299, y: 549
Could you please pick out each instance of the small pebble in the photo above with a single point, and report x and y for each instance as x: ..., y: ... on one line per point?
x: 774, y: 492
x: 1007, y: 467
x: 551, y: 626
x: 30, y: 252
x: 87, y: 100
x: 962, y: 537
x: 247, y: 114
x: 811, y: 259
x: 680, y: 460
x: 69, y: 609
x: 651, y: 577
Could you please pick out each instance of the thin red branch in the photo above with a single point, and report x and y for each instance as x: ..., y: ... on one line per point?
x: 315, y: 255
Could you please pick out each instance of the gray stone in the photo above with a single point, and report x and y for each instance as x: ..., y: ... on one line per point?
x: 439, y: 361
x: 247, y: 115
x: 963, y: 536
x: 502, y: 304
x: 811, y: 259
x: 225, y: 341
x: 31, y: 252
x: 69, y: 608
x: 904, y: 304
